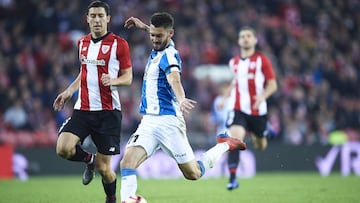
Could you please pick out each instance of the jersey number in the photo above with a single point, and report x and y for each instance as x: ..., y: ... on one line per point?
x: 133, y: 138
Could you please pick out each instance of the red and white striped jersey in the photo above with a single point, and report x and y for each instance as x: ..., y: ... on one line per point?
x: 109, y: 55
x: 250, y: 76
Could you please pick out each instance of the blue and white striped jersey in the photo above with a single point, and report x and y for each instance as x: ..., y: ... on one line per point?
x: 157, y: 96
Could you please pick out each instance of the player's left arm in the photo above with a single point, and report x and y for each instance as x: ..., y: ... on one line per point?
x: 270, y: 85
x: 174, y: 80
x: 126, y: 74
x: 125, y: 78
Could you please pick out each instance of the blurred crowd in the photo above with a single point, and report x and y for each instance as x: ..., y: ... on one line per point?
x: 314, y: 46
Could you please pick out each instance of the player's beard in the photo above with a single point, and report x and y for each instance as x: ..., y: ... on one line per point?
x: 159, y: 46
x: 246, y: 48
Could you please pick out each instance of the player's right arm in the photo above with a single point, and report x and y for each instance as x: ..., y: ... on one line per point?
x: 64, y: 96
x: 132, y: 21
x: 175, y: 82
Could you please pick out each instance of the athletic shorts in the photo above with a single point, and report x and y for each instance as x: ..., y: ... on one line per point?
x: 255, y: 124
x: 103, y: 126
x: 166, y: 132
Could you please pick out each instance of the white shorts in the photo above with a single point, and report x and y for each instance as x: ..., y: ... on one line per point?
x: 166, y: 132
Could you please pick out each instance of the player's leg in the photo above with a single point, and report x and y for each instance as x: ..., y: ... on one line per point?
x: 193, y: 170
x: 233, y: 163
x: 105, y: 133
x: 260, y: 143
x: 237, y: 124
x: 133, y: 157
x: 108, y: 176
x: 237, y: 131
x: 141, y: 145
x: 67, y: 147
x: 258, y: 125
x: 179, y: 148
x: 72, y: 131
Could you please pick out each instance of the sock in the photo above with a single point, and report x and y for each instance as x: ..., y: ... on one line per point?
x: 233, y: 163
x: 232, y: 173
x: 202, y: 168
x: 128, y: 183
x: 110, y: 188
x: 81, y: 155
x: 212, y: 156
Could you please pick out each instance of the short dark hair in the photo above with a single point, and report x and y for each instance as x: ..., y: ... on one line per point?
x: 247, y: 27
x: 162, y: 19
x: 96, y: 4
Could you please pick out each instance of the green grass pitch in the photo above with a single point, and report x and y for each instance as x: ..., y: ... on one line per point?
x: 264, y: 187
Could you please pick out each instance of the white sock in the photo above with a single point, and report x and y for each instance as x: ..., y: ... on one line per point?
x: 212, y: 156
x: 128, y: 183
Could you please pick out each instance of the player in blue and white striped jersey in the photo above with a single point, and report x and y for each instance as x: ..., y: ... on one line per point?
x: 163, y: 103
x: 158, y: 98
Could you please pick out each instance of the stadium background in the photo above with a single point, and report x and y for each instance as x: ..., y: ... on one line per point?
x: 313, y: 45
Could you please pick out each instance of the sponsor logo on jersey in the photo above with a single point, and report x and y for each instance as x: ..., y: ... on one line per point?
x: 96, y: 62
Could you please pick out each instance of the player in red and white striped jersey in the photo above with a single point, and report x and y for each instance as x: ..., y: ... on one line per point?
x: 105, y: 65
x: 254, y: 82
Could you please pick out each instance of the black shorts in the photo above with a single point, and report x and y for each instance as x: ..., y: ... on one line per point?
x: 255, y: 124
x: 103, y: 126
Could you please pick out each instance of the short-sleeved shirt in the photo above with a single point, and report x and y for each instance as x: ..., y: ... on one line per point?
x: 157, y: 96
x: 108, y: 55
x: 251, y: 75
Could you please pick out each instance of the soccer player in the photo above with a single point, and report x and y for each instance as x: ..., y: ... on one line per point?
x: 163, y: 103
x: 105, y: 65
x: 254, y: 82
x: 222, y: 106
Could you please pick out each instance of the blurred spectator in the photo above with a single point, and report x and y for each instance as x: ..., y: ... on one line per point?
x: 15, y: 117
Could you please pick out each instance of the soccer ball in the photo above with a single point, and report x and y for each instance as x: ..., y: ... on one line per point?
x: 135, y: 199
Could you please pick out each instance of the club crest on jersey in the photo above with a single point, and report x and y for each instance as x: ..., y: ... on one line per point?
x: 252, y: 65
x: 105, y: 48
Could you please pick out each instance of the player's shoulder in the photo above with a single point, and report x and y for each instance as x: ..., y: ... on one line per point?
x: 171, y: 49
x: 234, y: 60
x: 112, y: 36
x: 85, y: 38
x: 259, y: 54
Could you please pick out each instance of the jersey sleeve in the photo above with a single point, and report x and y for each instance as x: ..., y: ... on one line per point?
x: 232, y: 63
x: 170, y: 61
x: 123, y: 54
x: 267, y: 68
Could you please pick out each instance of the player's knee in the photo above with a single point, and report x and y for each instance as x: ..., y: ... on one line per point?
x: 261, y: 146
x: 192, y: 175
x: 103, y: 169
x: 63, y: 152
x: 128, y: 162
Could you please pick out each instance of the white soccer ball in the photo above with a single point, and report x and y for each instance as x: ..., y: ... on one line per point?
x: 135, y: 199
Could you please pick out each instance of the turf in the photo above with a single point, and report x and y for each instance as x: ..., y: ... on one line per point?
x: 264, y: 187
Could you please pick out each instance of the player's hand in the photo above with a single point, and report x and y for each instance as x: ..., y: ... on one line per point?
x: 132, y: 21
x: 186, y: 105
x: 105, y: 79
x: 258, y: 100
x: 61, y: 99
